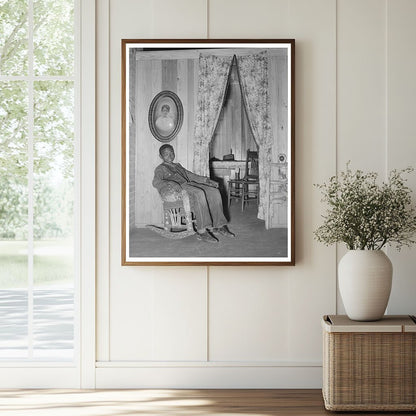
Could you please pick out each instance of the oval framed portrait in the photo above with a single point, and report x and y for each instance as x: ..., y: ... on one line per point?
x: 165, y: 116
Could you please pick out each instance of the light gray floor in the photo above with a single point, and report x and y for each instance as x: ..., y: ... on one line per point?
x: 252, y: 240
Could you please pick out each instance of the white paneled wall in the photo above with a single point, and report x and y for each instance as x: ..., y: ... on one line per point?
x: 361, y: 88
x: 164, y: 315
x: 255, y: 312
x: 361, y: 84
x: 248, y: 326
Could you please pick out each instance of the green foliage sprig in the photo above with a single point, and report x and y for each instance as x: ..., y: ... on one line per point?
x: 366, y: 215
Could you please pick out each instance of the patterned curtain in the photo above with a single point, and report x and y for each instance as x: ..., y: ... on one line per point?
x: 213, y: 77
x: 253, y: 76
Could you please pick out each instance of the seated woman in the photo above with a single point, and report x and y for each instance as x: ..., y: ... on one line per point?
x: 204, y: 196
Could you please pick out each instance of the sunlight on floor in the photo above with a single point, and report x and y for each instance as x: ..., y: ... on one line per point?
x: 114, y: 403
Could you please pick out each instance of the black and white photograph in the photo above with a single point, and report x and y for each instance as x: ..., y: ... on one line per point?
x: 165, y: 116
x: 208, y: 152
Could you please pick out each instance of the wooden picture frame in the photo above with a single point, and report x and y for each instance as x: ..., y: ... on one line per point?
x: 232, y: 154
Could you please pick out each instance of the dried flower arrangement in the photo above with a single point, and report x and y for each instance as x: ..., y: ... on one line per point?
x: 366, y: 215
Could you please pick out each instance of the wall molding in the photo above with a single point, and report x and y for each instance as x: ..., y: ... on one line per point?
x: 206, y: 377
x: 204, y: 364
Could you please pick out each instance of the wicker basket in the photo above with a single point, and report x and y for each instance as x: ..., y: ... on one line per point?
x: 369, y: 366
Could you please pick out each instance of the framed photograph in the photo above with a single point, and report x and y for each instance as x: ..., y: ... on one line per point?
x: 165, y: 116
x: 208, y: 152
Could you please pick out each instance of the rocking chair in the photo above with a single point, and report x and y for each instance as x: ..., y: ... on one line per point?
x: 178, y: 220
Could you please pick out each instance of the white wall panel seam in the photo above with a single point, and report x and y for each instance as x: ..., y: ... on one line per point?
x: 387, y: 48
x: 336, y: 141
x: 387, y: 135
x: 207, y: 12
x: 207, y: 313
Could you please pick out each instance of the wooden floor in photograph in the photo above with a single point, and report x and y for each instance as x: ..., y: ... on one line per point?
x: 165, y: 402
x: 251, y: 240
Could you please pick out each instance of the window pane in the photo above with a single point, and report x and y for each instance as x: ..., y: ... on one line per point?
x: 53, y: 319
x: 53, y: 37
x: 13, y: 37
x: 13, y: 220
x: 54, y: 175
x: 53, y: 196
x: 13, y: 310
x: 13, y: 160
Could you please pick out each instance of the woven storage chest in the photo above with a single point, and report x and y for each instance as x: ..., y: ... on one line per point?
x: 369, y: 366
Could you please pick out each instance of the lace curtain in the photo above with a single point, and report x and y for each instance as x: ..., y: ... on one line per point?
x: 253, y: 75
x: 213, y: 77
x: 214, y: 72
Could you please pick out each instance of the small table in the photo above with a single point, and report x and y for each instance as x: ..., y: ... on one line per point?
x: 369, y: 366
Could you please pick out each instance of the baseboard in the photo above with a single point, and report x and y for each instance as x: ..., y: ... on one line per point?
x: 211, y: 377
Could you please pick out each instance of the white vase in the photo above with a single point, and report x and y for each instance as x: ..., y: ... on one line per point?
x: 364, y: 278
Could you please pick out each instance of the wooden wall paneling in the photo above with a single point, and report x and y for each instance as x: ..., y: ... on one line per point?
x: 247, y: 137
x: 169, y: 74
x: 244, y: 136
x: 217, y: 144
x: 169, y: 83
x: 273, y: 90
x: 132, y: 139
x: 278, y: 104
x: 224, y: 140
x: 282, y: 104
x: 182, y: 92
x: 140, y: 140
x: 190, y: 110
x: 195, y: 64
x: 237, y: 120
x: 251, y: 142
x: 152, y: 157
x: 227, y: 139
x: 148, y: 204
x: 146, y: 180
